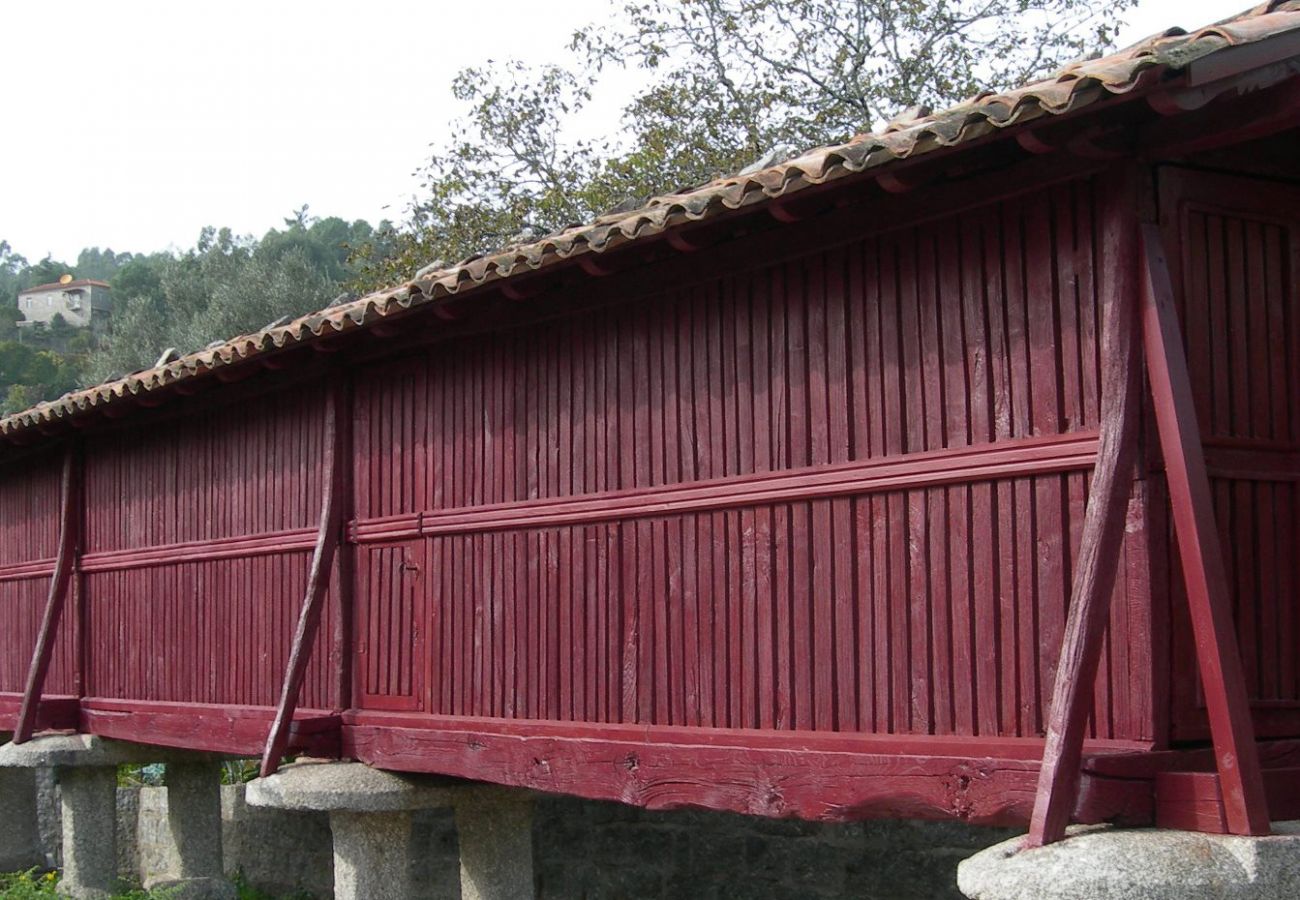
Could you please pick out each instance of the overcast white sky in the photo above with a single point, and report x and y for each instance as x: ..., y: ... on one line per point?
x: 133, y: 124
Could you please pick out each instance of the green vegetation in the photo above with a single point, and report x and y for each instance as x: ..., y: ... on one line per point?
x: 36, y: 885
x: 222, y: 286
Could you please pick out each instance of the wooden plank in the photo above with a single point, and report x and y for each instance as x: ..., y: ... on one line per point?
x: 65, y: 563
x: 1004, y: 459
x: 322, y: 564
x: 1202, y: 559
x: 1193, y: 801
x: 216, y: 728
x: 1103, y: 529
x: 815, y: 777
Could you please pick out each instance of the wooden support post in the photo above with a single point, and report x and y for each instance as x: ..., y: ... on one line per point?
x: 1204, y: 575
x: 1103, y: 528
x: 322, y: 562
x: 69, y: 528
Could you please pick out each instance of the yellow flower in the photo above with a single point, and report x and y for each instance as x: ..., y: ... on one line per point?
x: 49, y: 876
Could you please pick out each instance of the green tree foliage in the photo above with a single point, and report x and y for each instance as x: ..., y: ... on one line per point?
x: 729, y: 82
x: 223, y: 286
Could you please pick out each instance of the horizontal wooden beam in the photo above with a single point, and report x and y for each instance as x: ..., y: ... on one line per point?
x: 1004, y: 459
x: 795, y: 776
x: 41, y: 568
x: 1193, y: 801
x: 201, y: 551
x: 215, y: 728
x: 55, y: 712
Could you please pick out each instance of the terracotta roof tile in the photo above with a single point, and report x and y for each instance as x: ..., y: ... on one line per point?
x: 1077, y: 85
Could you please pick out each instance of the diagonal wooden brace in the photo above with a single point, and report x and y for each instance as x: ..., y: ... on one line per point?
x: 322, y: 563
x: 1217, y: 651
x: 69, y: 527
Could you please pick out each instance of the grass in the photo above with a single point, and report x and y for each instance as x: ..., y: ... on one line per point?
x: 37, y: 885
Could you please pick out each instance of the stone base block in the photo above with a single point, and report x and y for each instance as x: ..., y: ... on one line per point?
x: 1102, y: 863
x: 20, y: 840
x: 49, y: 750
x: 89, y: 800
x: 495, y: 828
x: 372, y: 820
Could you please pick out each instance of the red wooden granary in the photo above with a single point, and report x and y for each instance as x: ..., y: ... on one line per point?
x: 947, y: 472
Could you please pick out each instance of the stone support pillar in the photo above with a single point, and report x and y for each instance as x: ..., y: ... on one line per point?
x: 20, y: 839
x: 86, y: 770
x: 89, y: 804
x: 194, y: 819
x: 371, y: 816
x: 1103, y: 863
x: 495, y: 831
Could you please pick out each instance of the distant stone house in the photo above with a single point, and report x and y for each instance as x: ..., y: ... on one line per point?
x: 83, y: 303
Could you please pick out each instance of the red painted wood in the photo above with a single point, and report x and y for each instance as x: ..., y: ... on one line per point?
x: 1104, y: 525
x: 1193, y: 801
x: 1202, y: 561
x: 739, y: 772
x: 64, y: 565
x: 831, y: 492
x: 322, y: 564
x: 221, y: 728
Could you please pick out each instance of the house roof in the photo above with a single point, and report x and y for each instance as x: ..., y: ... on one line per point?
x: 1154, y: 63
x: 63, y: 286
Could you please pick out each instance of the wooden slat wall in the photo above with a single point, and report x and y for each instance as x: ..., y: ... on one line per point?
x: 186, y: 626
x: 935, y: 610
x: 248, y: 469
x: 1239, y: 281
x: 29, y: 522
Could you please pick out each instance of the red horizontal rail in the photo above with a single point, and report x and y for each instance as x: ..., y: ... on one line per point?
x: 40, y: 568
x: 1005, y: 459
x: 200, y: 551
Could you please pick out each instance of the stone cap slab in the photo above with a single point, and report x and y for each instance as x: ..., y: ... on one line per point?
x: 89, y: 750
x: 1104, y: 863
x: 351, y: 787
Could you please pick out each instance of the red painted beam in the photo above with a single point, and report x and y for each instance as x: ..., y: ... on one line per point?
x: 1003, y: 459
x: 214, y: 728
x: 64, y: 563
x: 322, y: 563
x: 1204, y: 575
x: 807, y: 776
x: 1103, y: 527
x: 1193, y: 801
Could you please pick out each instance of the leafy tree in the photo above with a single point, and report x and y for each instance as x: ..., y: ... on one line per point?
x: 730, y: 82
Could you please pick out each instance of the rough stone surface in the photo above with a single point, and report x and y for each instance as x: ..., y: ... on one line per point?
x: 82, y: 750
x: 372, y: 855
x: 1139, y: 864
x: 20, y: 839
x: 193, y: 868
x: 587, y: 850
x: 495, y: 832
x: 49, y: 819
x: 89, y: 803
x: 280, y: 852
x: 354, y: 787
